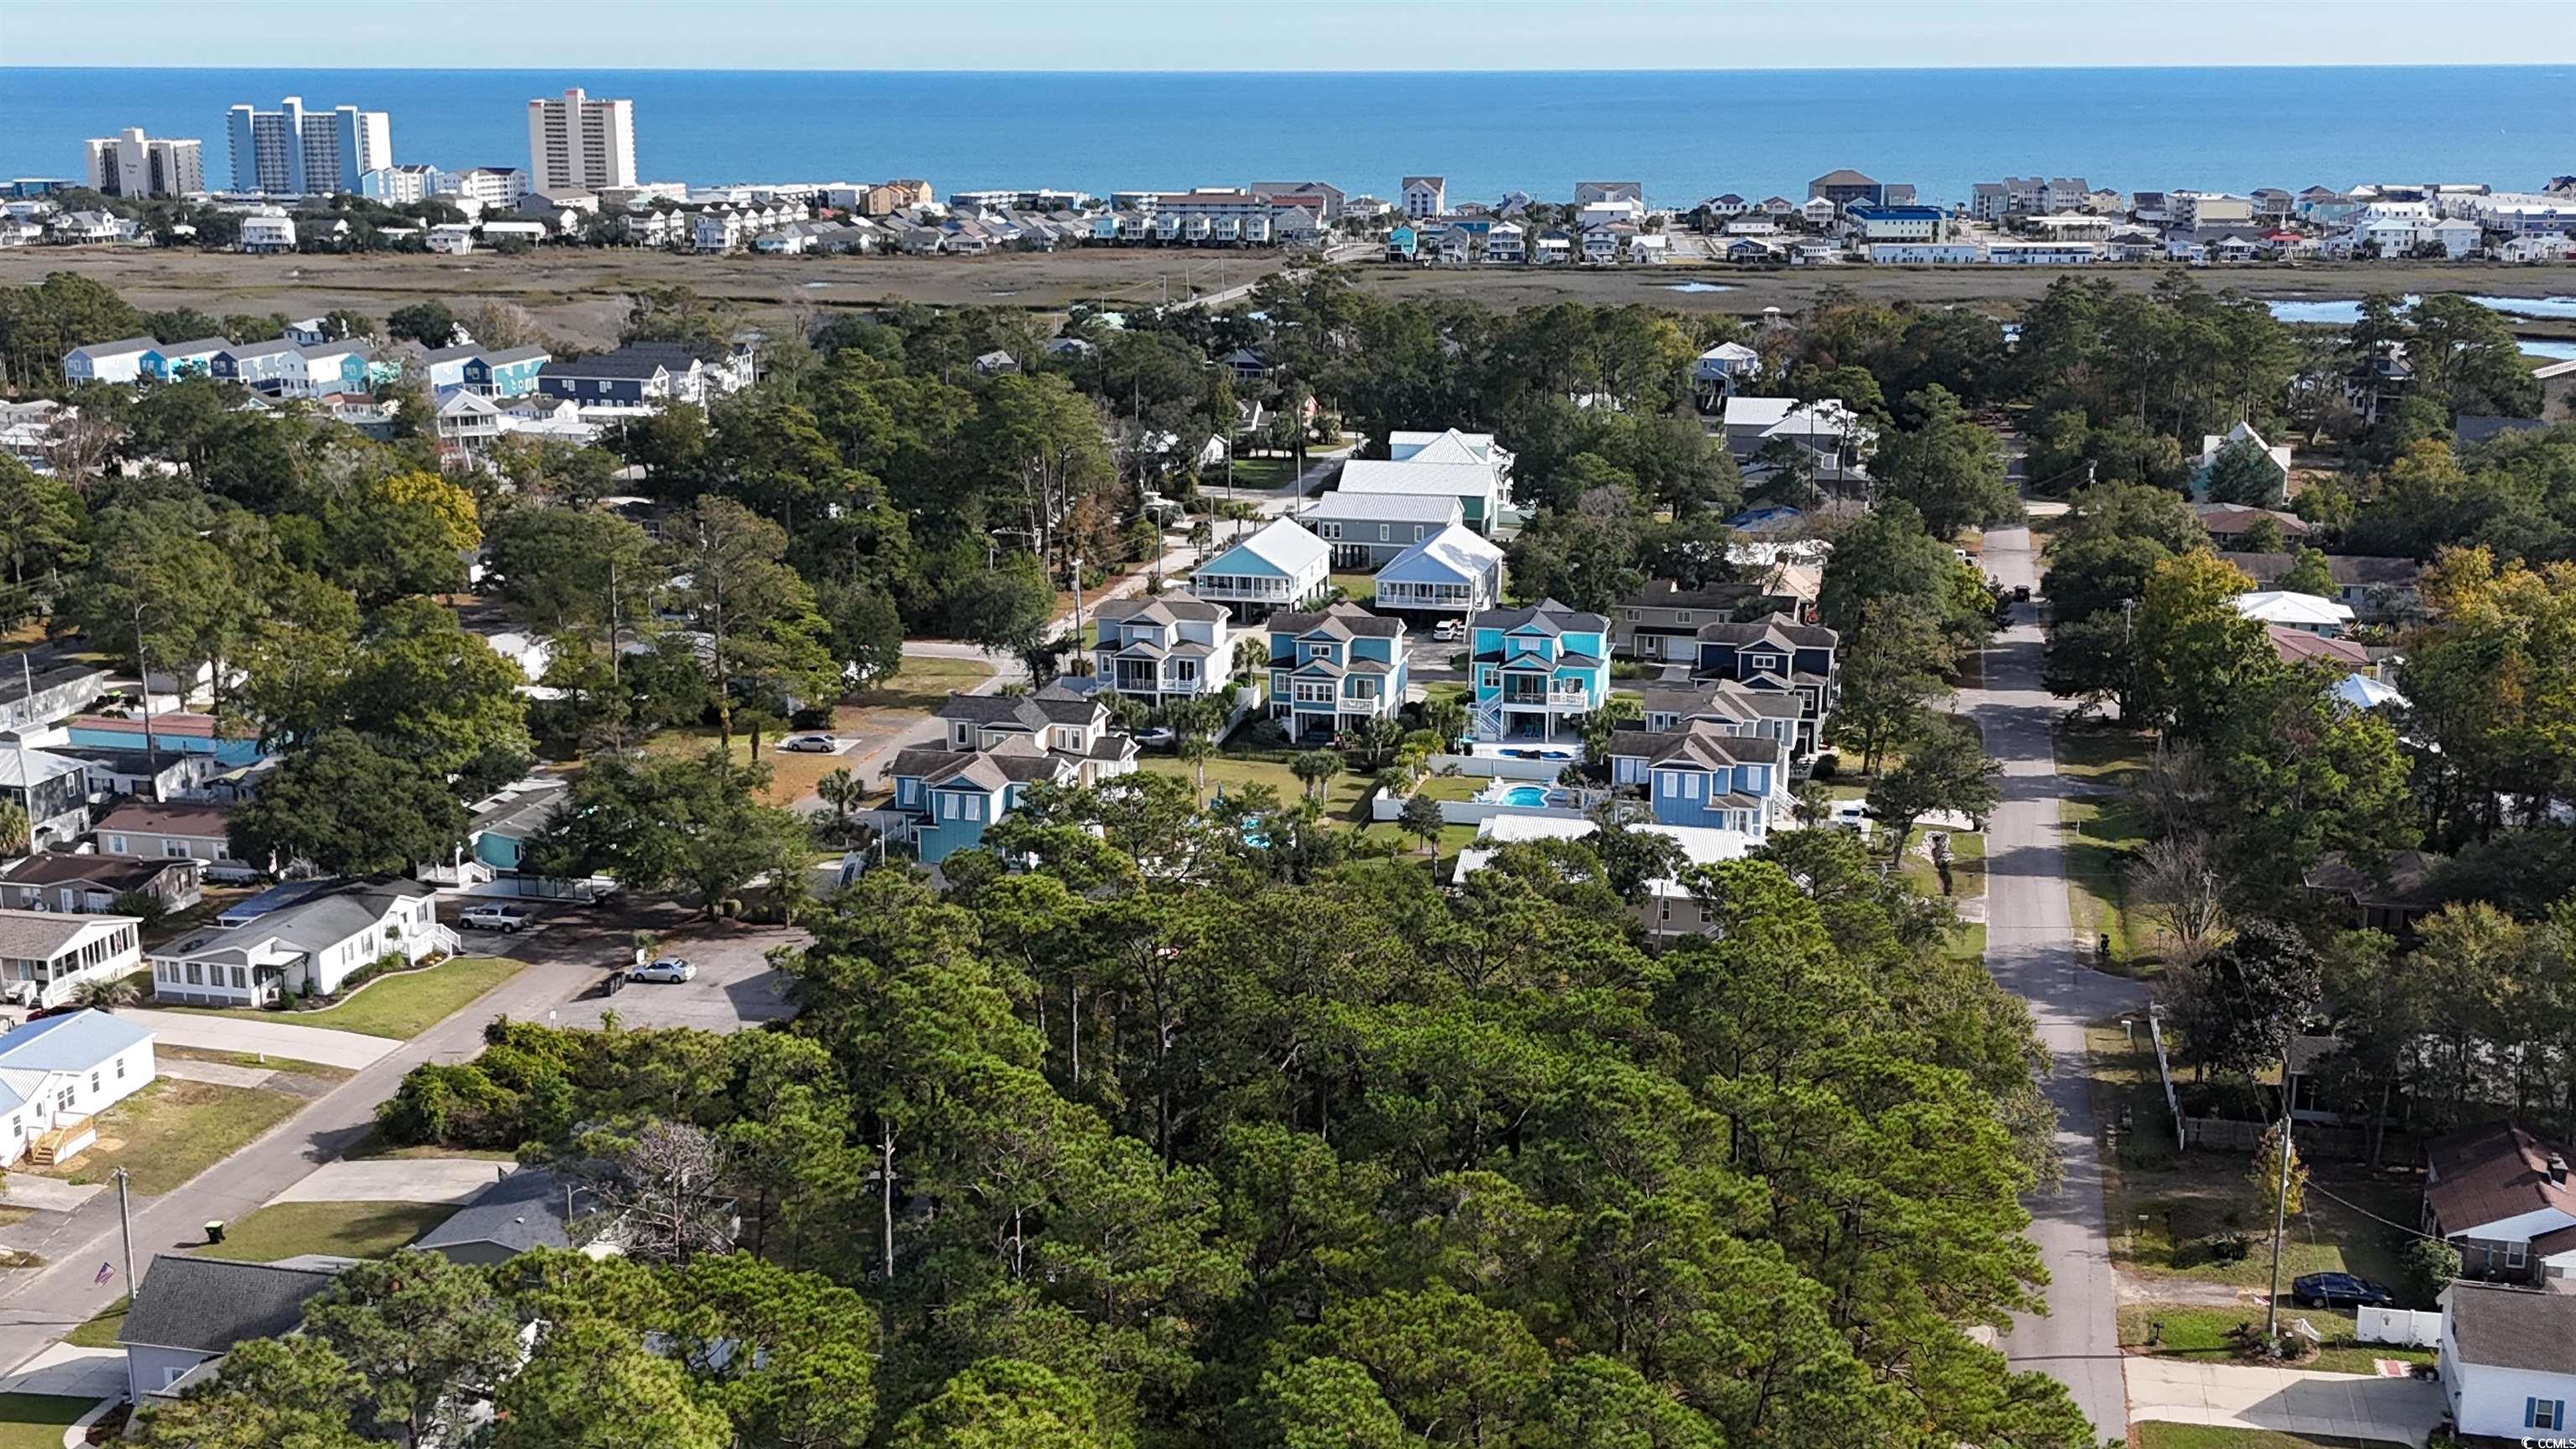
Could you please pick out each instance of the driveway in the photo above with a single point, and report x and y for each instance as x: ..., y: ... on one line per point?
x: 402, y: 1179
x: 2030, y: 949
x: 349, y: 1050
x: 2289, y: 1401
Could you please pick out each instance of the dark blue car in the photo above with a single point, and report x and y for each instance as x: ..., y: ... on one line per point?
x: 2340, y: 1290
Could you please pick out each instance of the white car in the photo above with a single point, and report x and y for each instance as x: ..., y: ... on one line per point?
x: 671, y: 969
x: 1447, y: 631
x: 810, y: 744
x: 504, y: 919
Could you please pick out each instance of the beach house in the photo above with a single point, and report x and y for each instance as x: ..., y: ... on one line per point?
x: 1705, y: 775
x: 994, y: 748
x: 1334, y: 670
x: 1364, y: 530
x: 1281, y: 567
x: 1535, y: 670
x: 1163, y: 651
x: 1778, y: 654
x: 1469, y: 467
x: 1454, y: 571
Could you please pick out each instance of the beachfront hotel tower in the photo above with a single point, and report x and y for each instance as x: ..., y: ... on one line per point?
x: 579, y: 144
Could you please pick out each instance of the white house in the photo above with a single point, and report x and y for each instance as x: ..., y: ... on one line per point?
x: 1281, y: 567
x: 46, y: 955
x: 1424, y: 196
x: 1725, y: 365
x: 2289, y: 609
x: 1455, y: 571
x: 308, y: 947
x: 2213, y: 444
x: 454, y: 238
x: 59, y: 1072
x: 1669, y: 907
x: 2508, y: 1362
x: 120, y: 361
x: 268, y: 233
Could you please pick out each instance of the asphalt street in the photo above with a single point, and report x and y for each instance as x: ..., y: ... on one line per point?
x: 2032, y: 951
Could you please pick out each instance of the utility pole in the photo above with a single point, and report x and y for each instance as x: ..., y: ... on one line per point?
x: 2280, y: 1208
x: 125, y: 1221
x: 143, y: 672
x: 1079, y: 647
x: 26, y: 781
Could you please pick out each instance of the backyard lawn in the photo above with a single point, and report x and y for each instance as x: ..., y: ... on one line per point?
x: 922, y: 684
x: 2200, y: 1332
x: 37, y: 1421
x: 1967, y: 866
x: 1342, y: 793
x: 342, y: 1229
x: 400, y: 1006
x: 1360, y: 589
x: 173, y: 1130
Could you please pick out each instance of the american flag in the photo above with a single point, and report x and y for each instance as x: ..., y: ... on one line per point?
x: 105, y: 1272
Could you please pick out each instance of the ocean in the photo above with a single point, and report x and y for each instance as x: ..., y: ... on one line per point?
x: 1684, y: 134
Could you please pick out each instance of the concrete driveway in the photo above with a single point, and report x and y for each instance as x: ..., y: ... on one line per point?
x: 353, y: 1051
x: 2289, y: 1401
x: 411, y: 1179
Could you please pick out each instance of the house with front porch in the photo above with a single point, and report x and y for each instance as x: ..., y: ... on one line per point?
x: 1536, y: 669
x: 1454, y: 571
x: 1439, y: 465
x: 1780, y: 655
x: 1661, y: 622
x: 2500, y: 1195
x: 46, y: 955
x: 83, y: 884
x: 1281, y: 567
x: 1364, y: 530
x: 1707, y: 776
x: 308, y: 948
x: 1730, y: 708
x: 1333, y: 671
x: 1163, y: 651
x: 996, y: 747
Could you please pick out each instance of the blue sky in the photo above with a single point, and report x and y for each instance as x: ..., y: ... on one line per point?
x: 1285, y: 35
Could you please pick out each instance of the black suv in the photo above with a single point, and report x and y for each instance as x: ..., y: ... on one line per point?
x: 2340, y: 1290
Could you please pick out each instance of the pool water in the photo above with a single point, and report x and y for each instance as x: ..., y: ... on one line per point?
x: 1525, y: 795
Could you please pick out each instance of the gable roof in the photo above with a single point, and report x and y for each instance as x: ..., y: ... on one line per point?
x: 315, y: 923
x: 1343, y: 621
x: 1412, y: 475
x: 121, y: 347
x: 1775, y: 629
x: 2491, y: 1172
x: 519, y: 1212
x: 1171, y: 609
x: 1455, y: 551
x: 166, y: 817
x: 1556, y: 617
x: 1284, y: 545
x: 630, y: 363
x: 41, y: 935
x: 75, y: 1042
x: 117, y: 873
x: 2513, y: 1328
x: 2298, y: 646
x: 1051, y: 705
x: 211, y: 1304
x: 2287, y: 606
x: 2237, y: 517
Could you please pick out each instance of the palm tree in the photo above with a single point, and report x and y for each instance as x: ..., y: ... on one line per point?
x: 842, y: 791
x: 1313, y: 768
x: 1378, y: 739
x: 1446, y: 716
x: 1196, y: 723
x: 106, y: 993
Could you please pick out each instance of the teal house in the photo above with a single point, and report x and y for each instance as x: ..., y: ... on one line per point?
x: 1334, y: 671
x: 1401, y: 244
x: 998, y: 745
x: 1536, y: 670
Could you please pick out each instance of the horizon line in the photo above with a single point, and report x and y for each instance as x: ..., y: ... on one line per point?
x: 1337, y: 70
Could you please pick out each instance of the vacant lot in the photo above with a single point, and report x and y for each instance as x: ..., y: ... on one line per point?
x: 341, y: 1229
x: 172, y: 1130
x: 2153, y: 1434
x: 2202, y: 1333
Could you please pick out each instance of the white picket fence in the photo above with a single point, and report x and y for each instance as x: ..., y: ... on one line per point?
x: 2412, y: 1327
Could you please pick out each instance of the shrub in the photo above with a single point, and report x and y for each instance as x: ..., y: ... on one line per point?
x: 2224, y: 1247
x: 1828, y: 765
x: 2430, y: 1265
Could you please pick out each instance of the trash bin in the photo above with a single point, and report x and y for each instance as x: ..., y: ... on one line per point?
x: 214, y: 1232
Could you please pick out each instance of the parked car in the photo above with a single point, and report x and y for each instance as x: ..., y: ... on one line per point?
x: 810, y: 744
x: 1447, y: 631
x: 2339, y: 1290
x: 668, y: 969
x: 504, y: 919
x: 2021, y: 593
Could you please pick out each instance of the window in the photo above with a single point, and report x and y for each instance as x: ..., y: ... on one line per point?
x: 1417, y: 533
x: 2544, y: 1413
x: 241, y: 982
x: 2515, y: 1254
x: 120, y: 1061
x: 64, y: 1102
x: 95, y: 1085
x: 974, y: 808
x: 196, y: 974
x: 1385, y: 533
x: 116, y: 845
x: 1683, y: 616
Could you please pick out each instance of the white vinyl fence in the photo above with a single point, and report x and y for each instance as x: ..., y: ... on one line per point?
x: 2412, y: 1327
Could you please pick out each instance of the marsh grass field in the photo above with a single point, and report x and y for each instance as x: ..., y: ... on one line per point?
x: 579, y: 294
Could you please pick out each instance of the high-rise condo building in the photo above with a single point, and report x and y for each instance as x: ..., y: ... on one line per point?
x: 579, y: 144
x: 130, y: 163
x: 317, y: 153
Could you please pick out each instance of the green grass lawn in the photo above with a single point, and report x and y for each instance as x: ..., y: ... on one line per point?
x: 1256, y: 473
x: 1453, y: 788
x: 2197, y: 1332
x: 400, y: 1006
x: 1453, y: 839
x: 37, y: 1421
x: 1342, y: 794
x: 1968, y: 943
x: 344, y: 1229
x: 1360, y: 589
x: 2100, y: 836
x: 2155, y: 1434
x: 173, y: 1130
x: 1967, y: 867
x: 924, y: 684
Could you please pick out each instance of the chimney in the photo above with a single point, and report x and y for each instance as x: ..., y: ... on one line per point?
x: 2558, y: 1168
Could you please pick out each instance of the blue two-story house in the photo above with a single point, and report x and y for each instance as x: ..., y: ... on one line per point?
x: 509, y: 372
x: 1733, y: 708
x: 996, y: 747
x: 634, y: 376
x: 1777, y: 653
x: 1536, y: 669
x: 1334, y: 670
x: 1705, y: 776
x: 1400, y: 244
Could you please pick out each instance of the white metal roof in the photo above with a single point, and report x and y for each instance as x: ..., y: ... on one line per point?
x: 2283, y: 606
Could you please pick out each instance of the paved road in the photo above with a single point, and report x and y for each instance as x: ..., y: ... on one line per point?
x: 2030, y: 948
x: 40, y: 1307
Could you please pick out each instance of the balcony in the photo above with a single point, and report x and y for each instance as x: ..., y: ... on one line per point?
x: 1563, y: 697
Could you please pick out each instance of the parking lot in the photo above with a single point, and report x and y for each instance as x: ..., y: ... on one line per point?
x: 734, y: 986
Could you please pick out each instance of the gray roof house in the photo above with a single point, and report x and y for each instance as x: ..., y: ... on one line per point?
x: 1364, y: 530
x: 522, y: 1211
x: 189, y: 1312
x: 309, y: 947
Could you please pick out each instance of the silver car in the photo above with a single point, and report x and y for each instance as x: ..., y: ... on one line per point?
x: 670, y: 969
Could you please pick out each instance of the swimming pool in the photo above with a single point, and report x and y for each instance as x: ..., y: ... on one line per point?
x: 1531, y: 796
